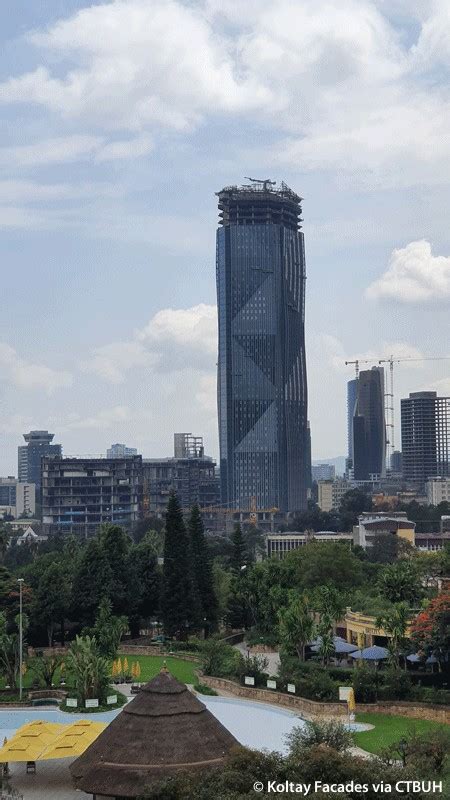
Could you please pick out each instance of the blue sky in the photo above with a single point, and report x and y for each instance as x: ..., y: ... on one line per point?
x: 120, y: 120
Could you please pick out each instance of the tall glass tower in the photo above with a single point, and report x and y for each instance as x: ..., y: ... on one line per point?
x: 262, y: 392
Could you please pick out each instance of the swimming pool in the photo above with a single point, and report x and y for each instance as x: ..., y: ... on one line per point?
x: 256, y: 725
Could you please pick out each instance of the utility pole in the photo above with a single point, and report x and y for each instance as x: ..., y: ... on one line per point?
x: 20, y: 582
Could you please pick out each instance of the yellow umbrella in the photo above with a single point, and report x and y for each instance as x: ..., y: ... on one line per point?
x: 73, y: 740
x: 30, y: 741
x: 351, y: 702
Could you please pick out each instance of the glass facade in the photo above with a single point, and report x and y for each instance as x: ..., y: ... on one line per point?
x: 262, y: 393
x: 369, y: 426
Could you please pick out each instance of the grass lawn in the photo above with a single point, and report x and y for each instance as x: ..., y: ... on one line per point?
x: 184, y: 671
x: 389, y: 730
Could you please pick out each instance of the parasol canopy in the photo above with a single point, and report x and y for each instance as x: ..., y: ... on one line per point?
x: 374, y: 653
x: 39, y: 741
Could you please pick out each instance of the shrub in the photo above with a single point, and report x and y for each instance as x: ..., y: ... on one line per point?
x: 220, y: 659
x: 202, y: 688
x: 365, y: 684
x: 318, y: 686
x: 255, y: 667
x: 396, y: 685
x: 331, y: 733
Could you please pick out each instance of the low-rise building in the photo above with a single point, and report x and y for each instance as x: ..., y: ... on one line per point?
x: 362, y: 631
x: 438, y: 490
x: 330, y: 493
x: 375, y: 523
x: 279, y: 544
x: 323, y: 472
x: 81, y: 494
x: 432, y: 541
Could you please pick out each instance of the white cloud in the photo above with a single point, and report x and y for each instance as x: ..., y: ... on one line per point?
x: 66, y: 149
x: 339, y: 82
x: 26, y: 375
x: 24, y: 191
x: 125, y: 149
x: 135, y: 63
x: 112, y: 361
x: 206, y: 396
x: 193, y: 327
x: 330, y: 350
x: 174, y: 339
x: 414, y: 275
x: 106, y: 418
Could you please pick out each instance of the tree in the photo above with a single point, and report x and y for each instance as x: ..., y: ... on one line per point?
x: 145, y: 582
x: 202, y: 569
x: 400, y: 582
x: 386, y: 548
x: 430, y: 630
x: 329, y: 603
x: 395, y: 623
x: 239, y: 555
x: 330, y: 733
x: 332, y: 561
x: 45, y: 668
x: 52, y: 598
x: 177, y: 607
x: 296, y: 625
x: 9, y: 653
x: 116, y: 544
x: 108, y: 630
x: 89, y: 670
x: 92, y: 581
x: 5, y: 535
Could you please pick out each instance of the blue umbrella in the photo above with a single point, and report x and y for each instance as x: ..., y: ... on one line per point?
x: 374, y: 653
x: 340, y: 645
x: 415, y: 659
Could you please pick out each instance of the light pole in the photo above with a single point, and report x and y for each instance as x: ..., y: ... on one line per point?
x: 20, y: 582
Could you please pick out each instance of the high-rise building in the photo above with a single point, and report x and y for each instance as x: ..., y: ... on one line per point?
x: 17, y: 498
x: 120, y: 451
x: 425, y: 421
x: 188, y: 446
x: 80, y: 494
x: 352, y: 396
x: 38, y: 444
x: 323, y: 472
x: 262, y: 392
x: 369, y: 426
x: 396, y: 463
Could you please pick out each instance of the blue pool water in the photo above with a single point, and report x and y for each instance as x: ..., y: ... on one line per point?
x: 256, y: 725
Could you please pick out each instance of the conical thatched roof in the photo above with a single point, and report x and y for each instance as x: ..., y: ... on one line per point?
x: 165, y: 729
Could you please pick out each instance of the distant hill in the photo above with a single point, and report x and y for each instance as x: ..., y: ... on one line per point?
x: 338, y: 461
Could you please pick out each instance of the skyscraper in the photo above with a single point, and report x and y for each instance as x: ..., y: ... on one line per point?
x: 425, y: 420
x: 352, y: 395
x: 38, y: 444
x: 369, y: 426
x: 262, y: 392
x: 120, y: 451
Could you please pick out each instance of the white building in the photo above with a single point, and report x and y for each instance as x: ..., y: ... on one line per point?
x: 279, y: 544
x: 383, y: 523
x: 438, y: 490
x: 330, y: 493
x: 17, y: 499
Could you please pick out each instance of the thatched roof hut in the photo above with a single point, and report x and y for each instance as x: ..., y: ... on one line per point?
x: 164, y: 730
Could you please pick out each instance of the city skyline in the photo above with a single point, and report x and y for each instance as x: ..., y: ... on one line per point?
x: 107, y: 239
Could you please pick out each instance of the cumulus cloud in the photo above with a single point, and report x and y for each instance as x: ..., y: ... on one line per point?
x: 414, y: 275
x: 338, y: 82
x: 172, y: 340
x: 26, y: 375
x: 193, y: 327
x: 112, y: 361
x: 105, y: 418
x: 66, y: 149
x: 329, y: 349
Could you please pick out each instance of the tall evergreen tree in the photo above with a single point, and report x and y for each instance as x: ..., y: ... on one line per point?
x: 92, y: 582
x: 177, y: 607
x: 202, y: 570
x: 239, y: 550
x: 116, y: 544
x: 145, y: 583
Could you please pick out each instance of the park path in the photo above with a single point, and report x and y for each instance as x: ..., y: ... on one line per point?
x: 273, y: 657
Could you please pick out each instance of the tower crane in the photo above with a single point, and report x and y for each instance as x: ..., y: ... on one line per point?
x: 389, y: 395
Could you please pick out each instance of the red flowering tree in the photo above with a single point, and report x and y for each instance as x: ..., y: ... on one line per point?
x: 430, y: 631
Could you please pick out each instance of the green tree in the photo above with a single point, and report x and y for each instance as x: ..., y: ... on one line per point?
x: 145, y: 582
x: 9, y: 653
x: 45, y: 668
x: 239, y: 555
x: 400, y: 582
x: 5, y: 535
x: 296, y: 626
x: 116, y: 544
x: 88, y: 669
x: 333, y: 561
x: 177, y: 607
x: 108, y: 630
x: 202, y: 570
x: 395, y: 623
x: 92, y: 581
x: 387, y: 549
x: 52, y: 599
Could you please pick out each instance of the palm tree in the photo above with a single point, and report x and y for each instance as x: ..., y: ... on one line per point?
x: 296, y: 624
x: 395, y: 623
x: 89, y: 670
